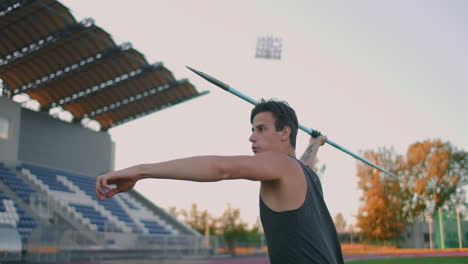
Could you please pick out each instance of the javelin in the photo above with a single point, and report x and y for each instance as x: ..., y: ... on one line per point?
x: 309, y: 131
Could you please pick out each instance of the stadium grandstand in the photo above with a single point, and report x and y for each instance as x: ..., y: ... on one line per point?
x: 63, y: 84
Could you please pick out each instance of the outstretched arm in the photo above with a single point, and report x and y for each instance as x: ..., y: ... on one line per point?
x: 261, y: 167
x: 310, y: 154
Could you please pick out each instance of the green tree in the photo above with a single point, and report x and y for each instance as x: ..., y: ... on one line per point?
x: 196, y: 218
x: 231, y: 227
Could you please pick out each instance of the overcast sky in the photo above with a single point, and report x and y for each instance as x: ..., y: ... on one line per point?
x: 368, y: 74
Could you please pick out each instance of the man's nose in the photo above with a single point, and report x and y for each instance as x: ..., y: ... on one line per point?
x: 252, y: 138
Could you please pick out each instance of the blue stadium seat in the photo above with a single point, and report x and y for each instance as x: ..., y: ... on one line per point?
x: 16, y: 184
x: 88, y: 185
x: 128, y: 203
x: 47, y: 176
x: 155, y: 228
x: 25, y: 224
x: 94, y: 216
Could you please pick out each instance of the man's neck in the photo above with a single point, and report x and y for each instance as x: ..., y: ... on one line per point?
x: 290, y: 151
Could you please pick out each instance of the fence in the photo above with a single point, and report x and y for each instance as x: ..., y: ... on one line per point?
x: 52, y: 244
x: 450, y: 231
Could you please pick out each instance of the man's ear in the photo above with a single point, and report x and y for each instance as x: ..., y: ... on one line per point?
x: 285, y: 133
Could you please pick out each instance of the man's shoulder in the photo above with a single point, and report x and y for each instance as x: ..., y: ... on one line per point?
x: 280, y: 159
x: 288, y: 165
x: 277, y: 155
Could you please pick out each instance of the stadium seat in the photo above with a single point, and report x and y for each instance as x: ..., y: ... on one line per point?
x: 13, y: 215
x: 77, y: 193
x: 47, y: 176
x: 16, y: 184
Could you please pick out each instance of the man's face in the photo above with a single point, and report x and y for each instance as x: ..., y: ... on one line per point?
x: 264, y: 135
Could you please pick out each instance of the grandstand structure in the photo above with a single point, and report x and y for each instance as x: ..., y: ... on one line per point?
x: 51, y: 63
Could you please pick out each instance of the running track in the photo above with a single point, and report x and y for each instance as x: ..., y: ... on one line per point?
x: 350, y: 257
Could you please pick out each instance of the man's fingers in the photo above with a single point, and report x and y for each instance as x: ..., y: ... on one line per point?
x: 324, y: 139
x: 101, y: 183
x: 316, y: 133
x: 104, y: 184
x: 112, y: 192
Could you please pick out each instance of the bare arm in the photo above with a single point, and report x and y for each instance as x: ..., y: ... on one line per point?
x: 310, y: 154
x: 261, y: 167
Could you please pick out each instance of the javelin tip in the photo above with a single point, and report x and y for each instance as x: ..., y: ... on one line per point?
x: 192, y: 69
x: 212, y: 80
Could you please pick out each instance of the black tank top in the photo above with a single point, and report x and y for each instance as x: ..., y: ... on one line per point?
x: 304, y: 235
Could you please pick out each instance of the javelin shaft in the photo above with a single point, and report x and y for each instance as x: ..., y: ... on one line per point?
x: 303, y: 128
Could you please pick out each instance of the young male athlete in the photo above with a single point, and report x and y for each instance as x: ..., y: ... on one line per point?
x: 297, y: 224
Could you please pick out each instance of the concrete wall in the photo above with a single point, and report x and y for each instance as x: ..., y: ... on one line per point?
x: 416, y: 235
x: 9, y: 147
x: 54, y: 143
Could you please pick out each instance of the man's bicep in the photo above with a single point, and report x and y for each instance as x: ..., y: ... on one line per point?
x: 262, y: 167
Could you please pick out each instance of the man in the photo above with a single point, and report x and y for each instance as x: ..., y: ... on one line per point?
x: 297, y: 225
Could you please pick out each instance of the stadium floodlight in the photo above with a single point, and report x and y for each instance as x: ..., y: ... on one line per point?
x: 269, y: 47
x: 309, y: 131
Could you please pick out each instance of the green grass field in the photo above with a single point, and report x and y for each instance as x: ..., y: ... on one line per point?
x: 419, y: 260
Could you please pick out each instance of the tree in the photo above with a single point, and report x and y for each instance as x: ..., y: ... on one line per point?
x: 459, y: 166
x: 436, y: 172
x: 380, y: 217
x: 197, y: 219
x: 429, y: 177
x: 231, y: 227
x: 340, y: 222
x: 173, y: 211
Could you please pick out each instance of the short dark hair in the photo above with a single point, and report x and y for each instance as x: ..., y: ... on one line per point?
x: 283, y: 113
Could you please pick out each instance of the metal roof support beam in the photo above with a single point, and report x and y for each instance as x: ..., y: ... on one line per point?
x: 108, y: 84
x: 134, y: 98
x: 45, y: 41
x: 155, y: 109
x: 75, y: 67
x: 11, y: 6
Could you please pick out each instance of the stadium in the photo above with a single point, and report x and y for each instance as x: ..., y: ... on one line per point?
x: 64, y: 83
x: 48, y: 206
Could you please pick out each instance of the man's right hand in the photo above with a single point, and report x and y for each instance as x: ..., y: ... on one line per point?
x: 124, y: 180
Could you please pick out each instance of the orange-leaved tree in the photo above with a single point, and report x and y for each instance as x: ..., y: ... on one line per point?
x: 436, y: 171
x: 380, y: 218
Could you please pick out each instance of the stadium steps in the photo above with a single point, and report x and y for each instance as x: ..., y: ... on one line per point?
x: 16, y: 199
x: 141, y: 214
x: 67, y: 190
x: 13, y: 214
x: 70, y: 188
x: 75, y: 189
x: 15, y: 183
x: 163, y: 215
x: 61, y: 210
x: 96, y: 205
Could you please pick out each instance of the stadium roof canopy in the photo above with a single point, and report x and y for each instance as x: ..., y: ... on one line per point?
x: 60, y: 62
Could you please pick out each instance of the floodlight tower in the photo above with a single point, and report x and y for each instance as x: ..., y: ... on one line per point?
x: 269, y: 47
